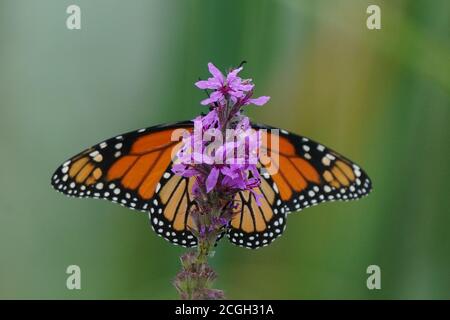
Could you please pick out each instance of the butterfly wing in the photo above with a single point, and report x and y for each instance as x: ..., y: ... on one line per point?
x: 298, y: 173
x: 134, y: 170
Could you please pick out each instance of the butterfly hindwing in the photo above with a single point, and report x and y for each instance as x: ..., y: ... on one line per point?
x: 169, y: 211
x: 255, y: 225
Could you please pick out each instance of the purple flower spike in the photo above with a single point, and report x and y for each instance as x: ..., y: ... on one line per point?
x: 220, y: 156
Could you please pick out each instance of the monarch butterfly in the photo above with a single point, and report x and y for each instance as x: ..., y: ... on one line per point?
x: 134, y: 170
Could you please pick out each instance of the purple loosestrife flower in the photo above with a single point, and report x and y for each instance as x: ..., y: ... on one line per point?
x: 230, y: 86
x: 222, y: 155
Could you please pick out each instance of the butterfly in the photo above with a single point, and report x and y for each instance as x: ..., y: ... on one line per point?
x: 134, y: 170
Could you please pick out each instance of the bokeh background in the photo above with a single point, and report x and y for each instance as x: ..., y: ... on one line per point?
x: 380, y: 97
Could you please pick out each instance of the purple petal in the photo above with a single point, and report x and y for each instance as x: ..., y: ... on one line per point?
x: 210, y: 119
x: 237, y: 94
x: 215, y: 72
x: 184, y: 171
x: 254, y: 172
x: 206, y: 84
x: 206, y: 102
x: 258, y: 101
x: 202, y: 231
x: 245, y: 87
x: 211, y: 181
x: 214, y: 97
x: 233, y: 74
x: 178, y: 169
x: 227, y: 171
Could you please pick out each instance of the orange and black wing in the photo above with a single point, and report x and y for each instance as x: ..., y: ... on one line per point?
x: 134, y: 170
x: 296, y: 174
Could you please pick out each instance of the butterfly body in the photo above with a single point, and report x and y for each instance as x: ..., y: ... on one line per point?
x: 134, y: 170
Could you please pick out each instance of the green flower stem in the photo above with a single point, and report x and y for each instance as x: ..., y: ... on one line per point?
x: 203, y: 250
x: 195, y: 280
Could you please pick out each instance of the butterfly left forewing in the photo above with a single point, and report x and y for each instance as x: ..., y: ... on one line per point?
x: 131, y: 169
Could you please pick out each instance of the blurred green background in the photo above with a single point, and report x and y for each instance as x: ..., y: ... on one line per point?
x: 380, y: 97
